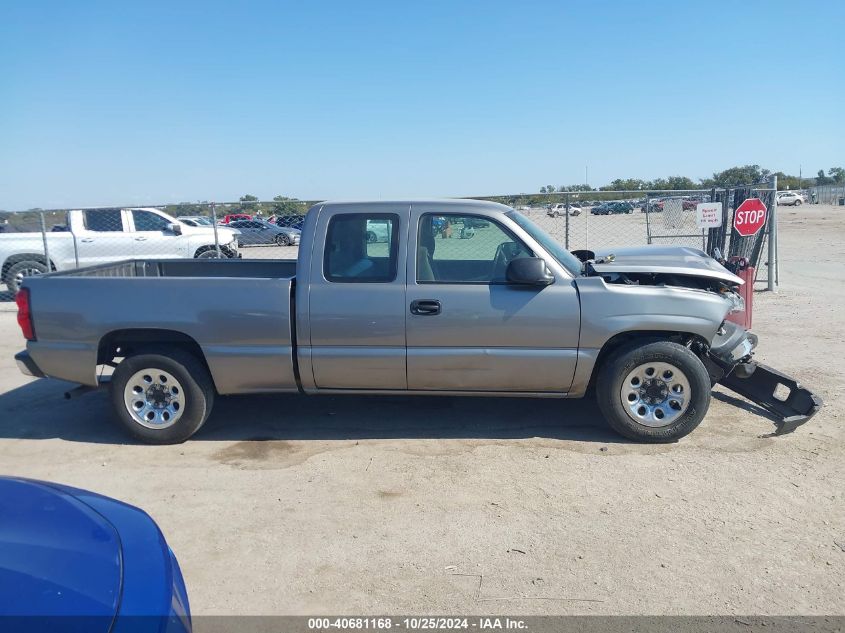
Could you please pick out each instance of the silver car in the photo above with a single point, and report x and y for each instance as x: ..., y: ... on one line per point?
x: 262, y: 233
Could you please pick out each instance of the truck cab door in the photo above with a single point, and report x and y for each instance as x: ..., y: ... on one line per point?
x: 101, y: 236
x: 468, y: 329
x: 151, y: 238
x: 356, y: 299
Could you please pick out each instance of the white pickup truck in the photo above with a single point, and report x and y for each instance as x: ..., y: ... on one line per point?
x: 100, y: 236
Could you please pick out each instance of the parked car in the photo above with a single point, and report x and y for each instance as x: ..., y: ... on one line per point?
x: 262, y: 233
x: 612, y: 208
x: 98, y: 236
x: 475, y: 223
x: 509, y: 312
x: 234, y: 217
x: 292, y: 221
x: 790, y: 198
x: 195, y: 220
x: 558, y: 210
x: 75, y: 560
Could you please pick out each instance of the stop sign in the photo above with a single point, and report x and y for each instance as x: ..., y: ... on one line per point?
x: 749, y: 217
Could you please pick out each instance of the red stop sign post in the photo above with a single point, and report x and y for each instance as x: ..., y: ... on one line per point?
x: 750, y: 217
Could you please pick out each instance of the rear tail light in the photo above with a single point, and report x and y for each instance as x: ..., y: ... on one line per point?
x: 25, y: 314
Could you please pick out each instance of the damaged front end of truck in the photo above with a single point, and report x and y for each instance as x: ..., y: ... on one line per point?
x: 729, y: 355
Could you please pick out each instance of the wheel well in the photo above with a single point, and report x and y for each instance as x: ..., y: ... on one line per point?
x: 644, y: 336
x: 24, y: 257
x: 123, y: 343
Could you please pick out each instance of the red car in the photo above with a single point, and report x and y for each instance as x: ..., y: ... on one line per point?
x: 232, y: 217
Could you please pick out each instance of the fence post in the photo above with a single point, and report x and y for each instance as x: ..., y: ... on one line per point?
x: 773, y: 237
x: 566, y: 239
x: 647, y: 218
x: 44, y: 239
x: 214, y: 224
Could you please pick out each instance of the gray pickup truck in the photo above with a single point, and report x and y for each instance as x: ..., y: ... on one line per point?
x: 419, y: 297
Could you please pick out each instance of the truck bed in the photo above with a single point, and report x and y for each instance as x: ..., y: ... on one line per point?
x: 257, y: 269
x: 237, y: 312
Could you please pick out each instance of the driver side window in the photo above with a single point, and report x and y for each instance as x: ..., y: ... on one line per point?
x: 464, y: 249
x: 146, y: 221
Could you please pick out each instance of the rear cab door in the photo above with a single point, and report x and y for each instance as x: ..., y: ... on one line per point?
x: 354, y: 336
x: 102, y: 236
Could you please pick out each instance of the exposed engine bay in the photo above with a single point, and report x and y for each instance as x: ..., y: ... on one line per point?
x: 728, y: 357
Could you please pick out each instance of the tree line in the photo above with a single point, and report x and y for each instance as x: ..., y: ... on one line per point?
x: 732, y: 177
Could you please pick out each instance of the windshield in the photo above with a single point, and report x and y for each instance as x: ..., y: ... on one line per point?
x: 563, y: 256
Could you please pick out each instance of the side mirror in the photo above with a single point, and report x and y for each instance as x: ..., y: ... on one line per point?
x: 529, y: 271
x: 175, y: 228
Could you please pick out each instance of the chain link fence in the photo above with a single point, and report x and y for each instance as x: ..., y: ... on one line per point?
x: 828, y: 194
x: 34, y: 242
x: 601, y: 220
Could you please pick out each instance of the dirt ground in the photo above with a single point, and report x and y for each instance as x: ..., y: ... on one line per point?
x: 358, y: 505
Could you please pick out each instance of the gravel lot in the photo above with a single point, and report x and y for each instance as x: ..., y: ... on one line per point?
x: 358, y: 505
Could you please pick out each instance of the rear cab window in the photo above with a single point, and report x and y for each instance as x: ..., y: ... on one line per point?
x: 103, y: 220
x: 362, y: 248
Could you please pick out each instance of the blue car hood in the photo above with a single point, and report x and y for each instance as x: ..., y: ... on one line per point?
x: 58, y: 557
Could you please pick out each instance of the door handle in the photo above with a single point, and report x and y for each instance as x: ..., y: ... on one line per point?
x: 425, y: 307
x: 140, y: 239
x: 87, y: 239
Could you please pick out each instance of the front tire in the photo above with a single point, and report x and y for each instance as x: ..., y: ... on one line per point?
x: 653, y: 392
x: 162, y: 397
x: 282, y: 240
x: 797, y: 203
x: 210, y: 252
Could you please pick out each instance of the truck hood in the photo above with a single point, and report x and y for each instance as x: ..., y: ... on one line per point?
x: 667, y: 260
x: 224, y: 233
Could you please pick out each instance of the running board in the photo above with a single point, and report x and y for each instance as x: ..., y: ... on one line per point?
x: 777, y: 393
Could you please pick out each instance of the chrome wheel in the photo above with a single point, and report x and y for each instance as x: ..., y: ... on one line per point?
x: 27, y: 272
x: 154, y: 398
x: 655, y: 394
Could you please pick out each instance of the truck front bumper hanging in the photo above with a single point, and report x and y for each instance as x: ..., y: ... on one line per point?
x: 779, y: 394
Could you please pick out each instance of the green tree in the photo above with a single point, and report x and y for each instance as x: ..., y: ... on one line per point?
x: 821, y: 179
x: 735, y: 176
x: 680, y: 182
x: 248, y: 204
x: 542, y: 190
x: 837, y: 173
x: 785, y: 181
x: 282, y: 205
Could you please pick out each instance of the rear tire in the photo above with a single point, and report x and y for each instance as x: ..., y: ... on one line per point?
x: 140, y: 404
x: 18, y: 272
x: 636, y: 401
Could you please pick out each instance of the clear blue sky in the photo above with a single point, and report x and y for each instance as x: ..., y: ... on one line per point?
x: 121, y: 102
